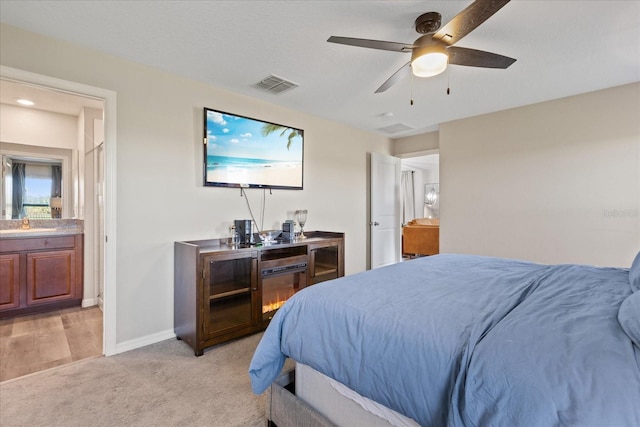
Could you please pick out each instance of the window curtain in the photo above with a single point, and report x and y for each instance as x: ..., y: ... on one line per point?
x: 18, y: 175
x: 56, y: 181
x: 408, y: 197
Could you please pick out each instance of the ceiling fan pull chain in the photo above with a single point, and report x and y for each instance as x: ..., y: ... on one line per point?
x: 448, y: 81
x: 411, y: 89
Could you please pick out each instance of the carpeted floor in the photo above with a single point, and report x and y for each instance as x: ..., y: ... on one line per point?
x: 163, y: 384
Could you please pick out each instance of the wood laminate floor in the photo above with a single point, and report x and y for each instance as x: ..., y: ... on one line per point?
x: 41, y: 341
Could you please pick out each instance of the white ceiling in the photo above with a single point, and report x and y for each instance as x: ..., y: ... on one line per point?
x: 562, y: 48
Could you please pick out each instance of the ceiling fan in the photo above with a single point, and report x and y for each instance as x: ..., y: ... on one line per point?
x: 431, y: 52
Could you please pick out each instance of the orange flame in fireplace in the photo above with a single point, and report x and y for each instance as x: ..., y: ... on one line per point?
x: 276, y: 303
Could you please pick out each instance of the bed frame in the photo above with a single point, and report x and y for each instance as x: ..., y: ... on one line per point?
x: 284, y: 409
x: 305, y: 397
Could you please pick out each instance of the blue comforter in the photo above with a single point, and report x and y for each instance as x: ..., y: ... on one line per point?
x: 454, y: 340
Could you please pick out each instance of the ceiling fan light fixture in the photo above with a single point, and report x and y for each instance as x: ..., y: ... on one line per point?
x: 429, y: 61
x: 430, y: 52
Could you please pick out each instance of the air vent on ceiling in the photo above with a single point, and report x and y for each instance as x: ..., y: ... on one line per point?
x: 395, y: 128
x: 276, y: 85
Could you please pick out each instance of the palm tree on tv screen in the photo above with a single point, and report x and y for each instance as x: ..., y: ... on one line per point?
x: 269, y: 128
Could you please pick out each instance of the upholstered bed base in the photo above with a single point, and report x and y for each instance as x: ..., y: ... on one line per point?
x: 285, y: 409
x: 305, y: 397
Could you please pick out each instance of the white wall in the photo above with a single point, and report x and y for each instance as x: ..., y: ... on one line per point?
x: 556, y: 182
x: 160, y: 197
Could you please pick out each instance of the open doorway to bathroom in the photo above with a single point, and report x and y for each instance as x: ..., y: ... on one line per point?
x: 65, y: 129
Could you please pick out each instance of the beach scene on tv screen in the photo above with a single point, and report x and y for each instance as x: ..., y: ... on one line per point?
x: 246, y: 151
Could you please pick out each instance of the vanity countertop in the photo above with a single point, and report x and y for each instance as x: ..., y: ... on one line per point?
x: 38, y: 232
x: 11, y: 229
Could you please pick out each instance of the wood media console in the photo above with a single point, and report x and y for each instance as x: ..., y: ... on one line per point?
x: 222, y: 291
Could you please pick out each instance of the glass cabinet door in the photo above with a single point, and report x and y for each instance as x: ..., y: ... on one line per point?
x: 324, y: 263
x: 230, y: 289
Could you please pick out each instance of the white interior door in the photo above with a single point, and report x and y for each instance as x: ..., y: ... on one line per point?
x: 385, y: 210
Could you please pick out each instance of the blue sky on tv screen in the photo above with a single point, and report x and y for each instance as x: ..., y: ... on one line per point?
x: 233, y: 136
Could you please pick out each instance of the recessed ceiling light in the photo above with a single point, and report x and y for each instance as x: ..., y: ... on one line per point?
x: 25, y: 102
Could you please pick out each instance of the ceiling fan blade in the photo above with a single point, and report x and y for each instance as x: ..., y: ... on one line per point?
x: 403, y: 72
x: 477, y: 58
x: 467, y: 20
x: 372, y: 44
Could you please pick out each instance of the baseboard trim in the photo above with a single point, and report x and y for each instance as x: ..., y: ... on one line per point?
x: 89, y: 302
x: 144, y: 341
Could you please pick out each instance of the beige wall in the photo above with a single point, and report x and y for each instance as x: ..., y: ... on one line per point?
x: 416, y: 144
x: 160, y: 197
x: 556, y: 182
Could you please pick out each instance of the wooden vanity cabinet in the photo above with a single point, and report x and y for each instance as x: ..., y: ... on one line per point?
x: 40, y: 274
x: 9, y: 281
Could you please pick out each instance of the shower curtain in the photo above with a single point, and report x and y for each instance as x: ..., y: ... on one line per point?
x: 17, y: 202
x: 408, y: 197
x: 56, y: 181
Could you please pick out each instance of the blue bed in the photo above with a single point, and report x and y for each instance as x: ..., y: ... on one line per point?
x: 454, y: 340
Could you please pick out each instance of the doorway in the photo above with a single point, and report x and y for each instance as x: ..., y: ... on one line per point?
x: 425, y: 170
x: 389, y: 210
x: 421, y: 204
x: 99, y: 188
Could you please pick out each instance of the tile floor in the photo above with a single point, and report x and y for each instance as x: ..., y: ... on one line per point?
x: 41, y: 341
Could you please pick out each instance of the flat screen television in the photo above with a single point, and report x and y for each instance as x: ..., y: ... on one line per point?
x: 244, y: 152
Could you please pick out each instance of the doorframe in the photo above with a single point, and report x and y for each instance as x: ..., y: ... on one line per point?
x: 110, y: 145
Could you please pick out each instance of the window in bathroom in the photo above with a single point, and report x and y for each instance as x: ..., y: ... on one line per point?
x: 41, y: 186
x: 37, y: 184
